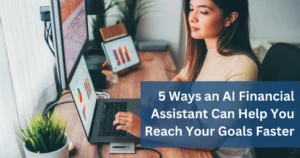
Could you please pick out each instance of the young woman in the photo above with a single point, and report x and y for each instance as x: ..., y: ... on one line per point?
x: 218, y: 49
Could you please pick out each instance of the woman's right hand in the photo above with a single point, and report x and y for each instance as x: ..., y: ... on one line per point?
x: 129, y: 122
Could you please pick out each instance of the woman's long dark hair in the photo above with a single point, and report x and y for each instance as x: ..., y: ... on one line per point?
x: 233, y: 39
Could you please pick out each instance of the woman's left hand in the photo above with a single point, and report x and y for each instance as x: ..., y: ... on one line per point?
x: 129, y: 122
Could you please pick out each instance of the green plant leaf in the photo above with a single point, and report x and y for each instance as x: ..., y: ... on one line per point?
x: 42, y: 133
x: 32, y: 144
x: 43, y: 145
x: 59, y: 138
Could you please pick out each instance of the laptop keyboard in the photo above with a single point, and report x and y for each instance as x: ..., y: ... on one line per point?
x: 110, y: 109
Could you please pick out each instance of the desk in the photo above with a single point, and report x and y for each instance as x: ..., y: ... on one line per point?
x: 160, y: 68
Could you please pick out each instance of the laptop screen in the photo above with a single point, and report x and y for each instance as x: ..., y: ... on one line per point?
x: 84, y: 94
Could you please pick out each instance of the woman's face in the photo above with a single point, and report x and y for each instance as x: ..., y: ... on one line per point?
x: 205, y: 19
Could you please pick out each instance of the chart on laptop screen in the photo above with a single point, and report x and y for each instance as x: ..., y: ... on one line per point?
x: 121, y: 53
x: 73, y: 17
x: 84, y: 94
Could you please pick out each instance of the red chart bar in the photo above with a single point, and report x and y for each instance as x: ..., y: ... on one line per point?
x: 117, y: 57
x: 127, y: 54
x: 122, y: 55
x: 87, y: 87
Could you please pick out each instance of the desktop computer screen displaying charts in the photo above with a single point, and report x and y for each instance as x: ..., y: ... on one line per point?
x: 121, y: 53
x: 73, y: 18
x: 69, y: 21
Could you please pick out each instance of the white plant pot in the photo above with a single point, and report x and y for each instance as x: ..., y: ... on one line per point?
x: 60, y: 153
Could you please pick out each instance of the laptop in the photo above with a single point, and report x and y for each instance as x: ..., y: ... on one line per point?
x: 97, y: 115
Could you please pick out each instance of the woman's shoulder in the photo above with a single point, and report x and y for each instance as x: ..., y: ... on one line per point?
x: 244, y: 67
x: 244, y: 60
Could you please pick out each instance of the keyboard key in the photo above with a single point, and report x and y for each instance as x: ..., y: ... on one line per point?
x: 110, y: 109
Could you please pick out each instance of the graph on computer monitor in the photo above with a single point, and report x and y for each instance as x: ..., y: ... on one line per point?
x: 73, y: 18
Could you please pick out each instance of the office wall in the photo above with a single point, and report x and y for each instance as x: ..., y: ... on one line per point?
x: 165, y: 23
x: 27, y: 70
x: 8, y: 143
x: 275, y: 20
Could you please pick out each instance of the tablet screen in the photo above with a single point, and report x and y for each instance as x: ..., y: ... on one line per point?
x: 121, y: 53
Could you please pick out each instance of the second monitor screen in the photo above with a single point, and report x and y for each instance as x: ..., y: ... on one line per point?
x: 74, y: 28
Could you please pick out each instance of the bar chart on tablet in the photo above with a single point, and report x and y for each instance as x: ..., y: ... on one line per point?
x: 122, y: 55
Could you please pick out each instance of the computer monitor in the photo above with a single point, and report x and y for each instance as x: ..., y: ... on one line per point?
x: 70, y: 32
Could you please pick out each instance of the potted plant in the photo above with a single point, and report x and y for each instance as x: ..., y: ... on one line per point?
x: 45, y: 137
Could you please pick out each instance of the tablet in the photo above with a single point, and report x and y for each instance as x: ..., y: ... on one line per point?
x: 121, y: 53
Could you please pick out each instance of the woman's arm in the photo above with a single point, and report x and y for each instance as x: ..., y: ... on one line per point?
x: 181, y: 76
